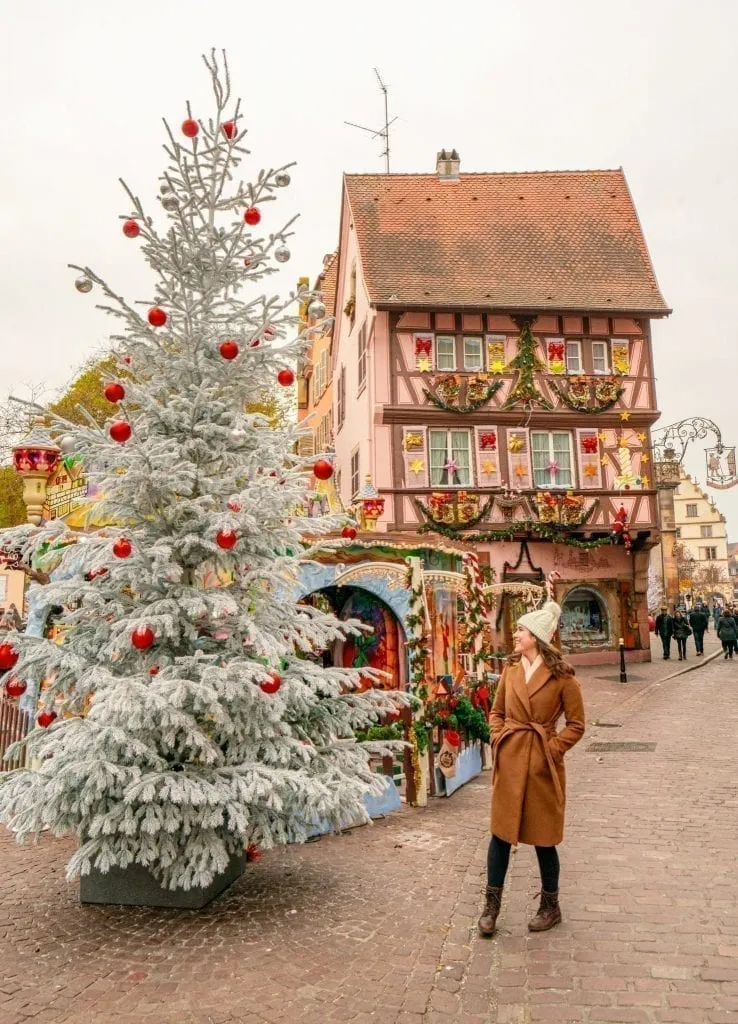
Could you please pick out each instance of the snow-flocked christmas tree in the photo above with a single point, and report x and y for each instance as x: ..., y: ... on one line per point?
x: 192, y: 715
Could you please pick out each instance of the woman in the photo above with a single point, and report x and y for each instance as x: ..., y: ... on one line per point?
x: 727, y: 633
x: 681, y: 632
x: 528, y: 780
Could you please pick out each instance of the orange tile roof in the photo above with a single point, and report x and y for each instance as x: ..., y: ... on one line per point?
x: 327, y: 281
x: 515, y: 241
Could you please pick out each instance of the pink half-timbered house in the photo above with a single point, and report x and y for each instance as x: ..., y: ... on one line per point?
x: 494, y: 380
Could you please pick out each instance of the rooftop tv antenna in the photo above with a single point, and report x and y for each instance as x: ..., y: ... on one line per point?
x: 381, y: 133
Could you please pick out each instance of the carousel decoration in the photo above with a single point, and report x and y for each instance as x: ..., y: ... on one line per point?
x: 35, y: 459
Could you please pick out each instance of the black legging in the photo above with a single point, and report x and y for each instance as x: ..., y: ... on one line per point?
x: 682, y: 646
x: 498, y: 858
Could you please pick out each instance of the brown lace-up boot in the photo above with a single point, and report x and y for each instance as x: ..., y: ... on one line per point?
x: 487, y: 923
x: 549, y: 913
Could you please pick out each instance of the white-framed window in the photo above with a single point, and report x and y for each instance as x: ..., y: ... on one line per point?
x: 705, y: 531
x: 552, y: 458
x: 692, y: 511
x: 473, y: 357
x: 450, y: 458
x: 341, y: 397
x: 709, y: 554
x: 355, y: 478
x: 445, y: 352
x: 362, y: 357
x: 573, y: 357
x: 600, y: 357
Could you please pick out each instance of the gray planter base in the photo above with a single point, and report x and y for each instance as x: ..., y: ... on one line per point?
x: 135, y: 886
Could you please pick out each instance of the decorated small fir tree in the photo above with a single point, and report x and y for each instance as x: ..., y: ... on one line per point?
x: 187, y: 715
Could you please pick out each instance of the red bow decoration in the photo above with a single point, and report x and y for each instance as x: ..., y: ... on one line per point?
x: 488, y: 440
x: 555, y: 351
x: 423, y: 346
x: 589, y: 445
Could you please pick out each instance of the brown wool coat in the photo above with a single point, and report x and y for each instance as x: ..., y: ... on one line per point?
x: 528, y: 778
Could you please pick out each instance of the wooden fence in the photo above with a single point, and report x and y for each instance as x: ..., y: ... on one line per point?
x: 14, y: 725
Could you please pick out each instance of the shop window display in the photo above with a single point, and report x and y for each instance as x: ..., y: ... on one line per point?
x: 584, y: 622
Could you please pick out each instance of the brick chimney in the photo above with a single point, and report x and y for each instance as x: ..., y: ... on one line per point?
x: 447, y: 165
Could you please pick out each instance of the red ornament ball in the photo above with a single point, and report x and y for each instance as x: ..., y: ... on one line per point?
x: 234, y: 506
x: 142, y: 639
x: 348, y: 532
x: 252, y: 216
x: 131, y: 229
x: 122, y: 547
x: 272, y: 684
x: 226, y: 539
x: 157, y: 317
x: 229, y: 350
x: 286, y: 377
x: 154, y: 670
x: 8, y: 657
x: 45, y: 718
x: 252, y: 853
x: 323, y: 469
x: 229, y: 129
x: 452, y: 737
x: 269, y: 331
x: 114, y: 392
x: 190, y: 128
x: 255, y: 343
x: 120, y: 431
x: 16, y: 687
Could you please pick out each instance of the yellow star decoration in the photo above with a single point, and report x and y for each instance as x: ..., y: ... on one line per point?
x: 645, y: 482
x: 602, y: 436
x: 489, y: 467
x: 642, y: 438
x: 520, y: 471
x: 590, y: 470
x: 497, y: 367
x: 417, y: 466
x: 605, y: 460
x: 645, y: 459
x: 623, y: 442
x: 424, y: 364
x: 625, y: 415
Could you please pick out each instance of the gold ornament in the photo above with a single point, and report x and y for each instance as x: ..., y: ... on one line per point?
x: 605, y: 460
x: 424, y: 364
x: 417, y: 466
x: 625, y: 415
x: 489, y: 467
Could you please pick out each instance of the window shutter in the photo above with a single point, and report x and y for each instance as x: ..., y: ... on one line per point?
x: 556, y: 355
x: 518, y: 457
x: 588, y: 457
x: 486, y: 446
x: 621, y: 356
x: 423, y: 349
x: 306, y: 446
x: 415, y: 456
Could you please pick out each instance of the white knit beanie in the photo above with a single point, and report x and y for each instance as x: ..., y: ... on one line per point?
x: 543, y: 622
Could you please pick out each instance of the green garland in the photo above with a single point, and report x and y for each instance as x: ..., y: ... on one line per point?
x: 544, y: 531
x: 527, y: 363
x: 582, y: 407
x: 492, y: 389
x: 432, y: 523
x: 460, y: 714
x: 417, y: 642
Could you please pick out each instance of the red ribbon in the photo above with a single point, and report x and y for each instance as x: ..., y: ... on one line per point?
x: 589, y: 445
x: 488, y: 440
x: 422, y: 346
x: 555, y: 351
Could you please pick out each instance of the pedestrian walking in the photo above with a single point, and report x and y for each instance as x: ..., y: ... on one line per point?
x: 727, y: 632
x: 681, y: 633
x: 528, y: 781
x: 717, y: 611
x: 699, y: 620
x: 665, y: 630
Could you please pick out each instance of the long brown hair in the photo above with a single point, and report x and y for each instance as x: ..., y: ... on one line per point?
x: 551, y: 657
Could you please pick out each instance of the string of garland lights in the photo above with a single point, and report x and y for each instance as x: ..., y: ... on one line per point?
x: 540, y: 530
x: 433, y: 524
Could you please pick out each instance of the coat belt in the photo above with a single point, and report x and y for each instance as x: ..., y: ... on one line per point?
x: 511, y: 726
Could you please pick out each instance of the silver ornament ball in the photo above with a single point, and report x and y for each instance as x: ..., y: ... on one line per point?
x: 83, y: 284
x: 282, y: 179
x: 67, y: 444
x: 316, y: 310
x: 165, y: 187
x: 282, y: 254
x: 170, y: 203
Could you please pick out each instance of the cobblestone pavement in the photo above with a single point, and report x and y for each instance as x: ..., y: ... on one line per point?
x: 378, y: 926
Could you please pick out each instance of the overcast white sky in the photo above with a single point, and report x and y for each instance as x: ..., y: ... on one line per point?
x: 512, y: 84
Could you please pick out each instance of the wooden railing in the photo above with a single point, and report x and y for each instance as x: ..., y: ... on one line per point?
x: 14, y: 725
